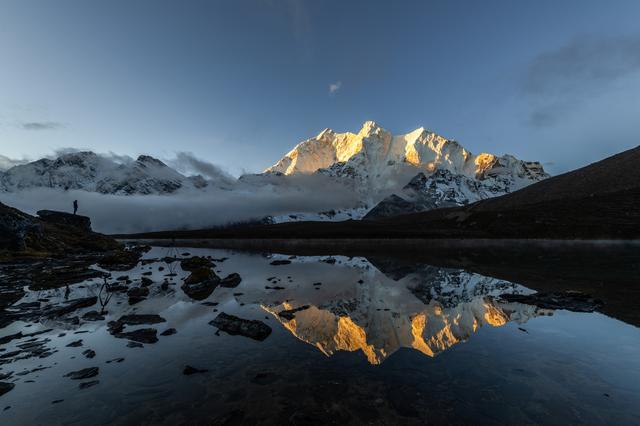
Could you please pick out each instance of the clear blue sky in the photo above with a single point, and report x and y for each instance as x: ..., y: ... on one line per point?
x: 238, y: 83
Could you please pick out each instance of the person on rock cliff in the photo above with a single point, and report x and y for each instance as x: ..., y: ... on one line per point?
x: 75, y: 206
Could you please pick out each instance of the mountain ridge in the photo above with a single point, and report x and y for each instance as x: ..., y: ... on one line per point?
x: 607, y: 209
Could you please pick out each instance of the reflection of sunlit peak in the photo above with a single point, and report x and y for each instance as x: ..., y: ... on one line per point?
x: 326, y: 331
x: 378, y: 333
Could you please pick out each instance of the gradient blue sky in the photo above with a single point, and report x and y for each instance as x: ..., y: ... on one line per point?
x: 239, y: 83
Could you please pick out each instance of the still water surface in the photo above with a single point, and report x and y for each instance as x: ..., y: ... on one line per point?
x: 349, y: 344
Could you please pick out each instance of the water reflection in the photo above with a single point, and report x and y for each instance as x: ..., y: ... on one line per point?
x: 428, y: 310
x: 350, y: 342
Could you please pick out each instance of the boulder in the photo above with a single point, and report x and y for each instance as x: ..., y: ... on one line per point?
x: 233, y: 325
x: 68, y: 219
x: 200, y: 283
x: 231, y: 280
x: 195, y: 262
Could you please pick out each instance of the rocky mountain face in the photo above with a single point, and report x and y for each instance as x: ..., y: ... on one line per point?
x: 439, y: 190
x: 91, y: 172
x: 440, y: 171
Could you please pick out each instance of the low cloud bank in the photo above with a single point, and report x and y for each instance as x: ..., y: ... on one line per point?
x: 190, y: 209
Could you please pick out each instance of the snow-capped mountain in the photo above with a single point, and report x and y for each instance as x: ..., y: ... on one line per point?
x: 440, y: 171
x: 439, y: 190
x: 349, y: 173
x: 91, y: 172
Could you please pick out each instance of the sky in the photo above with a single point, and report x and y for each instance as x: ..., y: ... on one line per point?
x: 239, y: 83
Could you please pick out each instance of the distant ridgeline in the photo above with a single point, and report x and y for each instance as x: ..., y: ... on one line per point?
x: 412, y: 172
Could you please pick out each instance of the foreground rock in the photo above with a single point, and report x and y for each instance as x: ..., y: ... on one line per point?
x: 85, y: 373
x: 195, y: 262
x: 6, y: 387
x: 201, y: 283
x: 570, y: 301
x: 233, y: 325
x: 189, y: 370
x: 289, y: 314
x: 62, y: 218
x: 137, y: 294
x: 144, y: 335
x: 123, y: 260
x: 231, y: 280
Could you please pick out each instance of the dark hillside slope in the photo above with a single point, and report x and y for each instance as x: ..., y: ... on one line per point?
x: 619, y: 173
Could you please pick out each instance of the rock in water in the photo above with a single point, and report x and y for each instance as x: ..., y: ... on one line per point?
x: 137, y: 294
x: 231, y: 280
x: 6, y: 387
x: 233, y: 325
x: 85, y: 385
x: 195, y: 262
x: 201, y: 283
x: 289, y: 314
x: 62, y: 218
x: 85, y: 373
x: 189, y: 370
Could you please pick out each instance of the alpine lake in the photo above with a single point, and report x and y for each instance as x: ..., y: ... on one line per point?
x: 206, y: 336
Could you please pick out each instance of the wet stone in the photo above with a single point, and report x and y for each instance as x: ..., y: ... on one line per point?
x: 280, y: 262
x: 85, y: 373
x: 93, y: 316
x: 143, y: 335
x: 194, y: 263
x: 6, y: 387
x: 121, y: 260
x: 137, y: 294
x: 289, y: 314
x: 233, y: 325
x: 200, y: 284
x: 85, y: 385
x: 169, y: 332
x: 231, y: 280
x: 189, y: 370
x: 75, y: 344
x: 89, y: 353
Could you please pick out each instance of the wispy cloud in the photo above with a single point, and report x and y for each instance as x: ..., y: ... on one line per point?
x: 41, y: 125
x: 560, y: 80
x: 186, y: 162
x: 6, y: 163
x: 334, y: 87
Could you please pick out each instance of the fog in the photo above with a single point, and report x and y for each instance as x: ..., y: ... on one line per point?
x: 191, y: 209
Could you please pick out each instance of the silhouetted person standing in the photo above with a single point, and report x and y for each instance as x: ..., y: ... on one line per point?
x: 75, y: 206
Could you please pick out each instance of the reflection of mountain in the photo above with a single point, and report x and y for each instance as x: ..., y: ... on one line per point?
x: 429, y: 310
